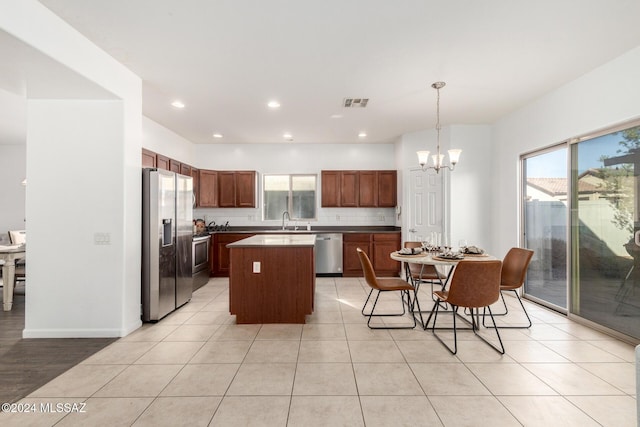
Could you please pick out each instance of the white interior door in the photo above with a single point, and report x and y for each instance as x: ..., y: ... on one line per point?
x: 426, y: 207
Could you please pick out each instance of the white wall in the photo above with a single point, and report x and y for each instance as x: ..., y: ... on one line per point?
x: 296, y: 159
x: 13, y: 169
x: 471, y: 194
x: 83, y: 172
x: 604, y: 97
x: 467, y: 203
x: 161, y: 140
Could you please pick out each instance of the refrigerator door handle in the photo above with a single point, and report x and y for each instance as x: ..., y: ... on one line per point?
x: 167, y: 232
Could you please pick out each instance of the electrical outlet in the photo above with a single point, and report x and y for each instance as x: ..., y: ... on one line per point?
x: 256, y: 266
x: 101, y: 238
x: 337, y: 217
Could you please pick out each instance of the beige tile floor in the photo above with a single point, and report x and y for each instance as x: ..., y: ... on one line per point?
x: 197, y: 367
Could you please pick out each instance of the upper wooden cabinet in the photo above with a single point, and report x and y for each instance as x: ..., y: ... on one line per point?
x: 185, y: 169
x: 387, y: 182
x: 349, y: 189
x: 359, y: 188
x: 148, y: 158
x: 367, y: 189
x: 175, y: 166
x: 208, y: 189
x: 162, y: 162
x: 227, y: 189
x: 330, y: 189
x: 245, y: 189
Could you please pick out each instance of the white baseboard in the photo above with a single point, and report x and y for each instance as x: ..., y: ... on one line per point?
x: 71, y: 333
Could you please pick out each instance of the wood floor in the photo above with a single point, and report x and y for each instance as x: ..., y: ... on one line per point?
x: 27, y: 364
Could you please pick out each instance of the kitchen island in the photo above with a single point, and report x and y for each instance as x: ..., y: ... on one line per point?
x: 272, y: 278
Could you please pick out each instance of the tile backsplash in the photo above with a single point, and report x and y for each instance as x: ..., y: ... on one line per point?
x: 326, y: 217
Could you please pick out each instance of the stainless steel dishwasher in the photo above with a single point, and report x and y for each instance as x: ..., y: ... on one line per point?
x: 329, y: 254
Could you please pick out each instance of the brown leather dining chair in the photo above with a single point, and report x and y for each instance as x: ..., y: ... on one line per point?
x: 379, y: 285
x: 514, y: 271
x: 475, y: 285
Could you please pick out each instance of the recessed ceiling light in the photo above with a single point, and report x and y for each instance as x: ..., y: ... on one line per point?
x: 288, y: 136
x: 273, y: 104
x: 362, y: 135
x: 178, y: 104
x: 217, y: 135
x: 336, y: 116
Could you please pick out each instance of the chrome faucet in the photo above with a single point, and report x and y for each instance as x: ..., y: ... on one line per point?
x: 288, y: 218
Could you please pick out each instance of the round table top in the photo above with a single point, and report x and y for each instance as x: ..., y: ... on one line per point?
x: 9, y: 249
x: 431, y: 258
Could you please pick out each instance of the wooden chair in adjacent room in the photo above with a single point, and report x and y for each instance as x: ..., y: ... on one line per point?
x: 514, y: 271
x: 19, y: 237
x: 475, y: 285
x: 379, y: 285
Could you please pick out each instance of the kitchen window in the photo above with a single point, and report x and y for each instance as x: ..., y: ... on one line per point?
x: 295, y: 194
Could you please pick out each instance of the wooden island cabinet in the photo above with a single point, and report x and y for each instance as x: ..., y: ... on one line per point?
x: 272, y: 278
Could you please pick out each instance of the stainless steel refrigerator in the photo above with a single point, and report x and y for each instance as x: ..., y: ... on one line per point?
x: 167, y: 232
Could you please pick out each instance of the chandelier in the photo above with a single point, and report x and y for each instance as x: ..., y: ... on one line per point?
x: 423, y: 156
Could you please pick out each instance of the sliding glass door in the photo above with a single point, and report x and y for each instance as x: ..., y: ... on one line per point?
x: 595, y: 193
x: 545, y: 204
x: 605, y: 230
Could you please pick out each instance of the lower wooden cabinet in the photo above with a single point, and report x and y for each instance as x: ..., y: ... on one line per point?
x: 383, y: 245
x: 350, y: 260
x: 377, y: 246
x: 220, y: 254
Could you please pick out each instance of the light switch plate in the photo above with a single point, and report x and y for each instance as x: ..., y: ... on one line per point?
x: 256, y: 266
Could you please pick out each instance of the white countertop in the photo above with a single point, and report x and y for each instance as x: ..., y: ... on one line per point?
x: 275, y: 240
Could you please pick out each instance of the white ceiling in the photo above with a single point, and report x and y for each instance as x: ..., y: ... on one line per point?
x: 225, y: 59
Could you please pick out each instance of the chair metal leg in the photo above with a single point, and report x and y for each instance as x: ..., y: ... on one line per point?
x: 475, y: 326
x: 506, y: 310
x: 495, y: 327
x: 371, y: 314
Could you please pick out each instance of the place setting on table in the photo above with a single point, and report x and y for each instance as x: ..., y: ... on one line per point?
x: 429, y: 253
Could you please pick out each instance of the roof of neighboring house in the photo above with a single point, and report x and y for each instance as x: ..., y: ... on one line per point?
x: 558, y: 186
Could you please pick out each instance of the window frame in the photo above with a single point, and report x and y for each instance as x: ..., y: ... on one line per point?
x: 291, y: 177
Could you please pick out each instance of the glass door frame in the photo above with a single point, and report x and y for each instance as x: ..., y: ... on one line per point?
x: 521, y: 235
x: 571, y: 258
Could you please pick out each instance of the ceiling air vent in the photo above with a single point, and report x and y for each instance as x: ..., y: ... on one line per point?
x: 355, y: 102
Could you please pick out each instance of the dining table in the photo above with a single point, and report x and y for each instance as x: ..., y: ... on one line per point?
x: 440, y: 261
x: 9, y: 254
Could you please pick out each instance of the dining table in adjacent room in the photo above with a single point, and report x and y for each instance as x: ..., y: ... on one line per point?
x: 9, y: 254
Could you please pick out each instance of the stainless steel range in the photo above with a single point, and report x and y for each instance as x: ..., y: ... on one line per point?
x: 200, y: 259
